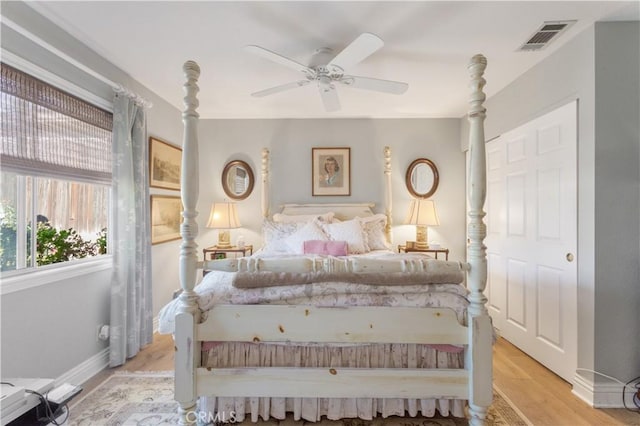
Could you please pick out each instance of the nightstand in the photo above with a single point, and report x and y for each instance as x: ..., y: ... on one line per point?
x: 221, y: 253
x: 405, y: 249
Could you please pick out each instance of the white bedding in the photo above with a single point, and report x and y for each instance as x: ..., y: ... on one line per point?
x: 217, y: 288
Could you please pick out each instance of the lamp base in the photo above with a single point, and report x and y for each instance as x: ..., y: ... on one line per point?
x: 224, y: 241
x: 421, y: 238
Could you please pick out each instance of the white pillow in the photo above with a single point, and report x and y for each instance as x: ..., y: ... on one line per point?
x: 349, y: 231
x: 288, y: 218
x: 310, y: 231
x: 374, y: 229
x: 275, y: 234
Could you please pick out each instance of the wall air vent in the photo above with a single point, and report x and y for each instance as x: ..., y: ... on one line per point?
x: 549, y: 31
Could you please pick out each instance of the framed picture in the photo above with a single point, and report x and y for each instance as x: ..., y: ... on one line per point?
x: 331, y: 171
x: 165, y: 163
x: 166, y: 216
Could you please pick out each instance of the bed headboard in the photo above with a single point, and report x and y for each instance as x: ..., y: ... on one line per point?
x: 343, y: 211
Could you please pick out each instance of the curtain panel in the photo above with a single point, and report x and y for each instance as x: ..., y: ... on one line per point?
x: 131, y: 305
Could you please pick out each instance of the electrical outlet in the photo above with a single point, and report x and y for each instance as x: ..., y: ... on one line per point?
x: 102, y: 332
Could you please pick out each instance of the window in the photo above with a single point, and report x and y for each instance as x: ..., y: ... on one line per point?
x: 55, y: 153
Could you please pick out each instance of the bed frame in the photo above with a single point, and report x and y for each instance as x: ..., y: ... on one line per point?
x: 339, y: 325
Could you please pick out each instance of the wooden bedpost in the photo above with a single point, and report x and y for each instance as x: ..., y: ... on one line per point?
x: 387, y: 192
x: 265, y: 183
x: 187, y: 354
x: 480, y: 354
x: 190, y: 188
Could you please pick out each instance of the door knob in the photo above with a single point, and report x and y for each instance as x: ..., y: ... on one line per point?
x: 569, y: 257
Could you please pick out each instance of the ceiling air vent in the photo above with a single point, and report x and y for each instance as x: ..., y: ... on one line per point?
x: 545, y: 34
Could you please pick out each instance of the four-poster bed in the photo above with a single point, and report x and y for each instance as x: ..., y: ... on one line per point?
x: 306, y: 324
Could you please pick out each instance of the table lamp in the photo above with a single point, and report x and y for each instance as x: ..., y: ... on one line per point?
x: 223, y: 217
x: 422, y: 213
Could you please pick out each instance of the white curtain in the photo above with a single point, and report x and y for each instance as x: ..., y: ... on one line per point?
x: 131, y: 308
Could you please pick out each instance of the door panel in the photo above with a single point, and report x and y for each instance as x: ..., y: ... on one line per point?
x: 516, y: 205
x: 496, y: 290
x: 516, y: 292
x: 531, y: 224
x: 549, y: 314
x: 549, y: 204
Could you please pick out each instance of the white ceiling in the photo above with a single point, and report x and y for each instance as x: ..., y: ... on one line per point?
x: 427, y: 45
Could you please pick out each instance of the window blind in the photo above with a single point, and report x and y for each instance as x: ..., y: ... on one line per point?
x: 48, y: 132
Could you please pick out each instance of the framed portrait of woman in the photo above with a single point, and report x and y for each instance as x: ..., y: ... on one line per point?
x: 331, y: 171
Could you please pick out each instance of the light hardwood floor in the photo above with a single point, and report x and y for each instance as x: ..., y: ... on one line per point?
x: 543, y: 397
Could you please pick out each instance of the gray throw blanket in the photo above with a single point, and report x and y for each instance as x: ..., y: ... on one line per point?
x: 450, y: 275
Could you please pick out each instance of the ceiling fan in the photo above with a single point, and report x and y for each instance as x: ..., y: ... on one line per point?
x: 325, y: 71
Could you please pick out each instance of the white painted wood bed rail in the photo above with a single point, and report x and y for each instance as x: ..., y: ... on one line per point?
x: 356, y: 324
x: 336, y: 382
x: 366, y: 324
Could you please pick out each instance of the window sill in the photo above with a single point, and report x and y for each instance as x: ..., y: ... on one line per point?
x: 31, y: 279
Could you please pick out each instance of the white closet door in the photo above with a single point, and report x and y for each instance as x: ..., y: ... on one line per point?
x: 532, y: 238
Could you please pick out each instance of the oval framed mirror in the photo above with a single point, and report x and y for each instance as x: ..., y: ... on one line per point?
x: 422, y: 178
x: 237, y: 180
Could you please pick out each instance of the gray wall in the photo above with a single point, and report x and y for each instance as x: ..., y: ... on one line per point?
x: 599, y: 67
x: 617, y: 181
x: 290, y: 143
x: 60, y: 318
x: 51, y: 329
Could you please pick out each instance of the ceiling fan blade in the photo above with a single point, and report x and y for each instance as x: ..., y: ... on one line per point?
x: 386, y: 86
x: 279, y: 59
x: 329, y: 96
x: 357, y: 51
x: 280, y: 88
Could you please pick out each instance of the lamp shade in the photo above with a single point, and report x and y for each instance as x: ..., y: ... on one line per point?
x: 223, y: 216
x: 422, y: 213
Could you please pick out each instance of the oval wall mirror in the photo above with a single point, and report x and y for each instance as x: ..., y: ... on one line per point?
x: 237, y: 180
x: 422, y: 178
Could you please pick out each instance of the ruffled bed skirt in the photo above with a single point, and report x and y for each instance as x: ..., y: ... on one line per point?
x: 312, y: 409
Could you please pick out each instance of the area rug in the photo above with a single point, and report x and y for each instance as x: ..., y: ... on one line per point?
x: 146, y: 399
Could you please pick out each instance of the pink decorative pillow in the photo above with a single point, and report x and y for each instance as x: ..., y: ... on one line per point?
x: 330, y: 248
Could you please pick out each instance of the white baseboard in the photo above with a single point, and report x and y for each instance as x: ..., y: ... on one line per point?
x: 600, y: 395
x: 583, y: 389
x: 86, y: 370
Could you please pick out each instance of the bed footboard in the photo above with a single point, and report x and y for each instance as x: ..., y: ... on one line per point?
x: 357, y: 325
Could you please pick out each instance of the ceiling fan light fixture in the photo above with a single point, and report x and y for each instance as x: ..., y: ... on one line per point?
x: 324, y: 81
